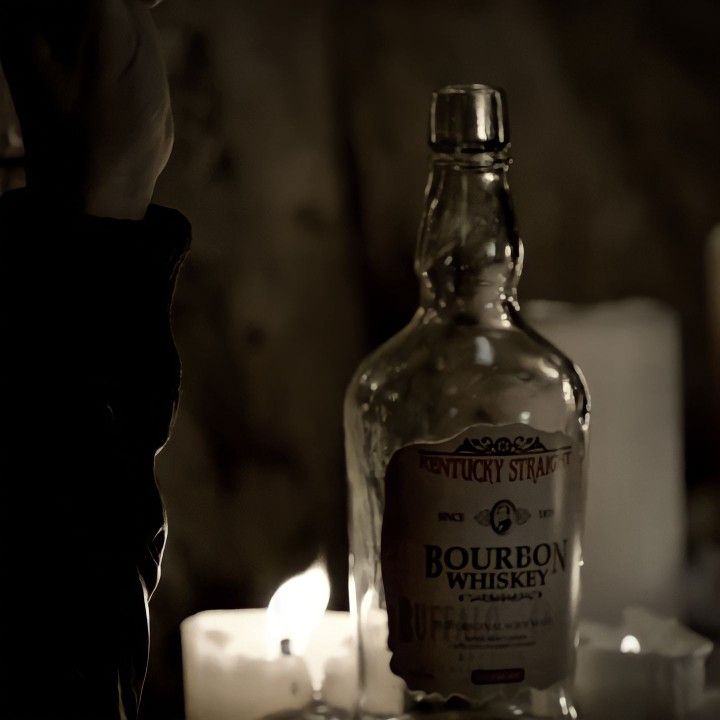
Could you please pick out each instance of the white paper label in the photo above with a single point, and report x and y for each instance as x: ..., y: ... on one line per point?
x: 480, y: 559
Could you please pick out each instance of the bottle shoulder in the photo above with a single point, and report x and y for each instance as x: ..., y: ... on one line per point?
x: 443, y: 349
x: 434, y: 369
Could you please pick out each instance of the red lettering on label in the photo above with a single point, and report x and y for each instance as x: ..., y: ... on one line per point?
x: 497, y: 677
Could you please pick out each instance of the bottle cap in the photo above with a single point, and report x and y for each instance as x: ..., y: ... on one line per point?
x: 469, y: 119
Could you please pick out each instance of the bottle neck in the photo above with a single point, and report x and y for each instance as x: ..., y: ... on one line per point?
x: 469, y: 254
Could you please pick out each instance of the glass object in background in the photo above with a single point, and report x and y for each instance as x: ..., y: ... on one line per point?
x: 466, y: 440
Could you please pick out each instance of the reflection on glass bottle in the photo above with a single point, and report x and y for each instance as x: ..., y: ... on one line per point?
x: 466, y: 438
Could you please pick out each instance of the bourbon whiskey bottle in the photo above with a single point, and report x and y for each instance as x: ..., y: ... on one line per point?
x: 466, y: 439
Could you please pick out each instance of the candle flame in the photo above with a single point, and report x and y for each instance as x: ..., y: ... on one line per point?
x: 630, y: 644
x: 297, y: 609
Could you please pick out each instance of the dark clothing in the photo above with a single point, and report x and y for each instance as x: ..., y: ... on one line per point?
x: 89, y: 380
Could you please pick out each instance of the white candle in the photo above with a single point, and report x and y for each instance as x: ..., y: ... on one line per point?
x: 227, y: 673
x: 648, y: 667
x: 234, y: 669
x: 247, y: 664
x: 634, y: 541
x: 228, y: 677
x: 384, y: 691
x: 340, y: 684
x: 334, y: 638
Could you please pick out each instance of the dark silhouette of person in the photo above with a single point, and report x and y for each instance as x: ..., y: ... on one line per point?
x: 89, y: 373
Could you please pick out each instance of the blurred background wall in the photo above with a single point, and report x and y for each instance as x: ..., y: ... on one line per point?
x: 300, y: 159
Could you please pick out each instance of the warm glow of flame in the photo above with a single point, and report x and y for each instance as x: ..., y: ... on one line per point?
x: 297, y: 608
x: 630, y: 644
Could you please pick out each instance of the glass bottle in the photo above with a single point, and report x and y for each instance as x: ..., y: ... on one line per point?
x: 466, y: 441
